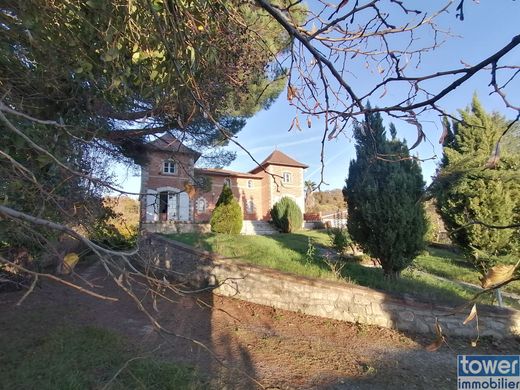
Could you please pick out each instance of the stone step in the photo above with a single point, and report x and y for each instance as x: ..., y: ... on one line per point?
x: 258, y: 227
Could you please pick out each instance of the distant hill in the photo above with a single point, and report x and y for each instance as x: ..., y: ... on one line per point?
x: 327, y: 201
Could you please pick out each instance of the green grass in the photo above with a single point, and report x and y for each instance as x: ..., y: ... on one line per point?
x: 289, y: 253
x: 85, y: 358
x: 451, y: 266
x: 285, y: 252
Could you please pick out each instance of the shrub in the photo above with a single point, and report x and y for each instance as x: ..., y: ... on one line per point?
x: 227, y: 216
x: 286, y: 215
x: 340, y: 239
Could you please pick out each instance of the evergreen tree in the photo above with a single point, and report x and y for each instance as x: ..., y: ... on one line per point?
x: 226, y: 196
x: 287, y: 215
x: 227, y: 215
x: 478, y: 183
x: 383, y: 191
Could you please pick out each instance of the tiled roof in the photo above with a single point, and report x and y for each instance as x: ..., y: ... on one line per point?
x: 225, y: 172
x: 171, y: 144
x: 279, y: 158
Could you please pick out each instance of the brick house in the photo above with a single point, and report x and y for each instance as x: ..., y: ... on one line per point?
x: 176, y: 191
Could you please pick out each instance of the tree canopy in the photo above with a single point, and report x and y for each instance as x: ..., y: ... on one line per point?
x: 82, y: 83
x: 197, y: 67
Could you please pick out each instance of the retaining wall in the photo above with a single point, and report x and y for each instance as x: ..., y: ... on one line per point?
x: 324, y: 298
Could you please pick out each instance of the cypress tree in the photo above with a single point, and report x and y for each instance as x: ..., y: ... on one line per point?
x: 225, y: 197
x: 383, y: 192
x: 227, y: 215
x: 478, y: 183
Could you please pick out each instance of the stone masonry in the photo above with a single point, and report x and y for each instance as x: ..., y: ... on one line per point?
x: 325, y: 298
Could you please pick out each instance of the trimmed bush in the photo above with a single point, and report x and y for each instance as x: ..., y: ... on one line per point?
x: 286, y: 215
x: 227, y: 216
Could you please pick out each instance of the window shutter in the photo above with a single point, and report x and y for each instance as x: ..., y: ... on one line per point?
x: 184, y: 207
x: 152, y: 206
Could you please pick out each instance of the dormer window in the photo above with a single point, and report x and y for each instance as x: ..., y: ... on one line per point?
x: 287, y: 177
x: 169, y: 167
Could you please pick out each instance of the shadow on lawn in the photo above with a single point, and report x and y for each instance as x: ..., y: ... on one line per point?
x: 53, y: 307
x: 355, y: 273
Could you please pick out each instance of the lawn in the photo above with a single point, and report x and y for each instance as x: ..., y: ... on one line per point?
x: 85, y: 358
x: 451, y: 266
x: 300, y: 253
x: 285, y: 252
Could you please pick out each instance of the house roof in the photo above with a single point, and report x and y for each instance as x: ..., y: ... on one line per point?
x: 225, y: 172
x: 169, y: 143
x: 279, y: 158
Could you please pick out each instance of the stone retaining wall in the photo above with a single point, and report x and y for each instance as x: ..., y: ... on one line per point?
x: 324, y: 298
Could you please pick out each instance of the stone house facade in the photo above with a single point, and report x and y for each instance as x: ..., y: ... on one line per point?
x: 175, y: 191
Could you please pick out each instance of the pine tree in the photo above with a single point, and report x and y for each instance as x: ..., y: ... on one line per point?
x: 383, y: 192
x: 476, y: 183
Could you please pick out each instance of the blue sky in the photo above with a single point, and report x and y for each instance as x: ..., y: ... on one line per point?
x: 488, y: 25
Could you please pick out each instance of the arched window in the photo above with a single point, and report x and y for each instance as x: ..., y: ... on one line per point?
x: 201, y: 205
x: 250, y: 206
x: 250, y: 184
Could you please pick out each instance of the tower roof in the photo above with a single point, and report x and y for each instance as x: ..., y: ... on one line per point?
x: 279, y: 158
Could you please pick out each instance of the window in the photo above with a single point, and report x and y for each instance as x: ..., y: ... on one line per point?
x: 287, y: 177
x: 201, y: 205
x: 250, y: 184
x: 227, y: 182
x: 250, y: 206
x: 169, y: 167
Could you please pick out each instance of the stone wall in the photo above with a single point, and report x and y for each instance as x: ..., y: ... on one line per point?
x: 324, y: 298
x: 172, y: 227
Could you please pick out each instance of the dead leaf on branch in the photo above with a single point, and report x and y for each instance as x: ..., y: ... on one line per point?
x: 494, y: 159
x: 412, y: 119
x: 497, y: 275
x: 444, y: 134
x: 472, y: 315
x: 292, y: 92
x: 439, y: 340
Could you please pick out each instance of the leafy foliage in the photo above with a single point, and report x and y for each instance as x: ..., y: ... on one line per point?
x: 96, y: 62
x: 477, y: 184
x: 386, y: 217
x: 227, y: 215
x: 287, y: 215
x: 88, y: 70
x: 340, y: 239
